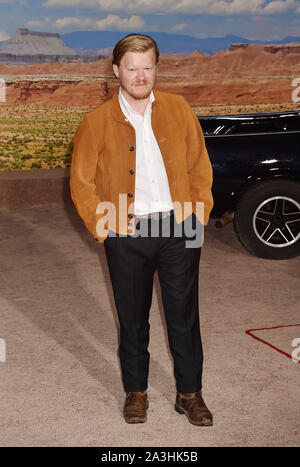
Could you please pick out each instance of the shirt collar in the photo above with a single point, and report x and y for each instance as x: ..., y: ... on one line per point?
x: 128, y: 106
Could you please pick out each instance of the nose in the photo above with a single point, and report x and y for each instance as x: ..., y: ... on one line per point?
x: 140, y: 73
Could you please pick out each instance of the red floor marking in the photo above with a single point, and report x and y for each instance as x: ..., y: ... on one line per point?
x: 249, y: 332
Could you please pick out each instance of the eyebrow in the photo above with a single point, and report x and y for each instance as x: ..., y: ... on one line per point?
x: 145, y: 66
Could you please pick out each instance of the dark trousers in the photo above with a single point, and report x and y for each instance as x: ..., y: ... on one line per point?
x: 132, y: 262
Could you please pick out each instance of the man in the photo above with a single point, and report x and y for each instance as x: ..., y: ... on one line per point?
x: 138, y: 160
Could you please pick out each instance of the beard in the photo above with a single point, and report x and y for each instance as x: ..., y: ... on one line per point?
x: 141, y: 90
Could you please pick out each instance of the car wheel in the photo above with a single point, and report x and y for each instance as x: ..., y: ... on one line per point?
x: 267, y: 219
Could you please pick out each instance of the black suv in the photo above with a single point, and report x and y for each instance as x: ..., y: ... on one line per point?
x: 256, y: 164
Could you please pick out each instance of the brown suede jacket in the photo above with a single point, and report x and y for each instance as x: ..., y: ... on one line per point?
x: 103, y: 164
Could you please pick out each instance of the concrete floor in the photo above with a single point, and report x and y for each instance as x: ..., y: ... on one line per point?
x: 60, y: 384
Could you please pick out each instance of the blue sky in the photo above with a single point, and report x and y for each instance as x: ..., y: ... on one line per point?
x: 253, y: 19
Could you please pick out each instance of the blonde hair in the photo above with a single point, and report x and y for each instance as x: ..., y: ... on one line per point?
x: 134, y: 43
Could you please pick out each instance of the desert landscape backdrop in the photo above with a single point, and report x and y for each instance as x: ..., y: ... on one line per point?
x: 45, y: 102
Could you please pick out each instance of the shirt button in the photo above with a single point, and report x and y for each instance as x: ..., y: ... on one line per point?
x: 131, y: 148
x: 129, y: 224
x: 131, y: 172
x: 130, y: 195
x: 130, y: 216
x: 129, y: 231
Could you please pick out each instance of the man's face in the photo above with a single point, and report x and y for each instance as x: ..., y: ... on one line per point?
x: 137, y: 74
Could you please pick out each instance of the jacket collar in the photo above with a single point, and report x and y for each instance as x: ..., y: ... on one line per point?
x: 116, y: 109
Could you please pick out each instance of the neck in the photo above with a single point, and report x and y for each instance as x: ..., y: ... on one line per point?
x: 139, y: 105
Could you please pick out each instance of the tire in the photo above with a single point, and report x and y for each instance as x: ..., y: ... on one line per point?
x: 267, y: 219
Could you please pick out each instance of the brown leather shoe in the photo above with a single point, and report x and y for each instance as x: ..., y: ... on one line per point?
x: 193, y: 406
x: 135, y: 407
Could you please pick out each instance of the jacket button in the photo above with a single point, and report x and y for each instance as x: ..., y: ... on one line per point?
x: 129, y: 231
x: 130, y: 216
x: 131, y: 172
x: 130, y: 195
x: 131, y: 148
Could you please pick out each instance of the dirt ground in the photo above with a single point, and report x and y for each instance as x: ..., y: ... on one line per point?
x: 60, y: 381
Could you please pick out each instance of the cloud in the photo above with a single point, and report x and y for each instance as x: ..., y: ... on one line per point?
x: 277, y: 6
x: 84, y: 23
x: 179, y: 27
x: 4, y: 36
x: 38, y: 23
x: 34, y: 23
x: 124, y: 24
x: 212, y: 7
x: 110, y: 22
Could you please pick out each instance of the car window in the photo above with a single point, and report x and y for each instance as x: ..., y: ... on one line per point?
x: 293, y: 124
x: 236, y: 126
x: 211, y: 127
x: 254, y: 127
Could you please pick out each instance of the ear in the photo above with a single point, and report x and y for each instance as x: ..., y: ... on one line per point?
x: 116, y: 70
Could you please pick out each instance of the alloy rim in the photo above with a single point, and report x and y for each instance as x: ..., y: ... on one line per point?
x: 276, y: 222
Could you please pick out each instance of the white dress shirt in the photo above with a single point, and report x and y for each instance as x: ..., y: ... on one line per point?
x: 152, y: 191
